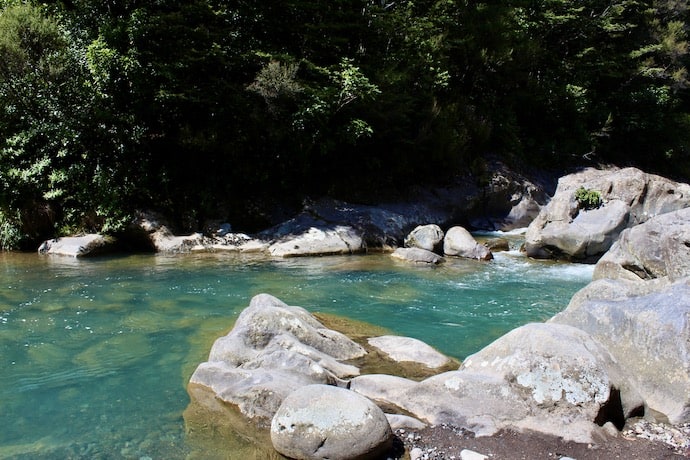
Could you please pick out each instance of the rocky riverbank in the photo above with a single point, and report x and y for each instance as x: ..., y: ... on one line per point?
x: 641, y: 440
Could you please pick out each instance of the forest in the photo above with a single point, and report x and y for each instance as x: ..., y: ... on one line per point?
x: 219, y: 109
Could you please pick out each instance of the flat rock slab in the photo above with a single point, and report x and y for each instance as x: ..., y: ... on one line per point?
x: 407, y: 349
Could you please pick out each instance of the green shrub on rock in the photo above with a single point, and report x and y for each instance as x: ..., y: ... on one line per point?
x: 588, y: 199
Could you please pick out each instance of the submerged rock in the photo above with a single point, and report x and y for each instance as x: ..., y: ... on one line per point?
x: 325, y: 422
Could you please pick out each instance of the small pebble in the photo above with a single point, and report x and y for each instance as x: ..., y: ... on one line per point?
x: 467, y: 454
x: 416, y: 454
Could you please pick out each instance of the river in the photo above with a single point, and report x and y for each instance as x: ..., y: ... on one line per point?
x: 96, y: 353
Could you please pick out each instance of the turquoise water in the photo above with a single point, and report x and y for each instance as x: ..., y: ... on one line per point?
x: 96, y: 353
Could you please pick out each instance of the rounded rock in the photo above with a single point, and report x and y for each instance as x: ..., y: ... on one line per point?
x: 327, y: 422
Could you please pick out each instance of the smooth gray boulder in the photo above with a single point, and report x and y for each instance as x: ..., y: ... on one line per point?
x: 549, y: 378
x: 563, y: 370
x: 565, y: 228
x: 656, y: 249
x: 408, y: 349
x: 272, y: 350
x: 646, y: 328
x: 460, y: 243
x: 429, y: 237
x: 78, y: 246
x: 417, y: 255
x: 326, y: 422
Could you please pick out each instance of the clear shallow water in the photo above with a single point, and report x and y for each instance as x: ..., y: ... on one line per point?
x: 95, y: 354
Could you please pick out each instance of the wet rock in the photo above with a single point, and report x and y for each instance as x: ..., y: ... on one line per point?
x: 325, y: 422
x: 497, y: 244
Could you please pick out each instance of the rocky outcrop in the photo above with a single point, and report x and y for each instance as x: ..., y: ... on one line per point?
x: 325, y: 422
x: 428, y: 237
x: 78, y: 246
x: 656, y: 249
x: 417, y: 255
x: 645, y: 327
x: 273, y: 350
x: 460, y: 243
x: 374, y: 226
x: 509, y: 200
x: 582, y: 230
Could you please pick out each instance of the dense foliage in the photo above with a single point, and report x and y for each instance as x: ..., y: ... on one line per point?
x: 208, y: 108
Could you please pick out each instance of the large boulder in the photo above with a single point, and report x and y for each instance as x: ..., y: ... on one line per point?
x: 549, y: 378
x: 429, y: 237
x: 563, y: 372
x: 460, y: 243
x: 573, y: 229
x: 325, y: 422
x: 272, y: 350
x: 656, y: 249
x: 646, y: 328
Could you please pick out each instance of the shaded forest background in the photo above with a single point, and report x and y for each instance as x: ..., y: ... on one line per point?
x: 222, y: 109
